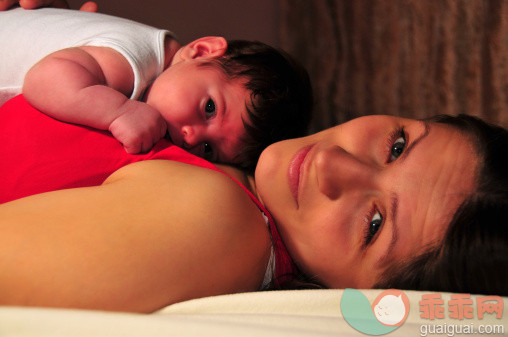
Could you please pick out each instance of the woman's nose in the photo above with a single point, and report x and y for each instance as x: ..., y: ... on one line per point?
x: 338, y: 172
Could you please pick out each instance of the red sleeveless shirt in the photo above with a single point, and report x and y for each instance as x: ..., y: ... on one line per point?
x: 40, y: 154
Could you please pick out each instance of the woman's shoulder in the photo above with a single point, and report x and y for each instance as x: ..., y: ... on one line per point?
x: 192, y: 229
x: 209, y: 189
x: 207, y: 208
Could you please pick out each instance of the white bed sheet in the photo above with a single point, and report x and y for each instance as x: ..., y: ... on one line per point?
x: 280, y: 313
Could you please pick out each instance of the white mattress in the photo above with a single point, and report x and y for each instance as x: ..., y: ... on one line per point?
x: 275, y: 313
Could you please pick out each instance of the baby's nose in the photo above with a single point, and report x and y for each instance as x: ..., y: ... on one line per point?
x: 191, y: 135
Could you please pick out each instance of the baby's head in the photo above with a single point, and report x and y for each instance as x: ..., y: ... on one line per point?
x: 227, y: 101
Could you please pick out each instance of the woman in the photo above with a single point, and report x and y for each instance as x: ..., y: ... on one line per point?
x: 352, y: 203
x: 387, y: 202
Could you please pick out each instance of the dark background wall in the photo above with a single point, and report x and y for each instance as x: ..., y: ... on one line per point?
x: 191, y: 19
x: 413, y: 58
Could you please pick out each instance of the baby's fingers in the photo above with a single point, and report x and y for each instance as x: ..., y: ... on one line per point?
x: 6, y: 4
x: 89, y: 6
x: 138, y: 147
x: 149, y: 140
x: 146, y: 147
x: 159, y: 131
x: 31, y: 4
x: 132, y: 148
x: 138, y: 144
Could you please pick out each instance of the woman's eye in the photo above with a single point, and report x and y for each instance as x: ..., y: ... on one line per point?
x: 208, y: 152
x: 397, y: 147
x: 210, y: 108
x: 373, y: 227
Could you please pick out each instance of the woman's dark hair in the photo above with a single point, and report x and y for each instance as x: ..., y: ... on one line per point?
x: 473, y: 256
x: 281, y: 95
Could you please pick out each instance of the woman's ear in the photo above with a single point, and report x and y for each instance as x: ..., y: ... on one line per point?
x: 205, y: 47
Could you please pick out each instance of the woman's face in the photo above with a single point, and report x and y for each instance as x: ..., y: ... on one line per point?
x: 352, y: 199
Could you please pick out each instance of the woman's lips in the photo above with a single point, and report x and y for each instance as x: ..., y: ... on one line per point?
x: 294, y: 171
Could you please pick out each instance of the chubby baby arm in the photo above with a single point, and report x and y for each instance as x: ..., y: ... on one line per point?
x: 89, y: 86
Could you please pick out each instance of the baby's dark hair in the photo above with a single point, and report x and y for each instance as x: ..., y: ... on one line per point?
x: 281, y: 100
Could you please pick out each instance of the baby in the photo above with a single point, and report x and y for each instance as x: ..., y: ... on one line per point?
x: 222, y: 100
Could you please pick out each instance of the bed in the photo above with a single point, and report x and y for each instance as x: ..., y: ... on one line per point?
x: 273, y: 313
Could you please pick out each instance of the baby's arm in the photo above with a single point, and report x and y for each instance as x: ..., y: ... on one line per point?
x: 90, y: 86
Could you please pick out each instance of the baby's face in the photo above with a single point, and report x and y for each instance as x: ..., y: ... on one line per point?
x: 203, y: 109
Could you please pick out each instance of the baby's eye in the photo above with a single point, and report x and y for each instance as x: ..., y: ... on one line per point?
x: 207, y: 152
x: 373, y: 226
x: 210, y: 108
x: 398, y: 147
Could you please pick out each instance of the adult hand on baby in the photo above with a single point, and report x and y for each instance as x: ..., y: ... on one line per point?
x: 139, y: 127
x: 89, y: 6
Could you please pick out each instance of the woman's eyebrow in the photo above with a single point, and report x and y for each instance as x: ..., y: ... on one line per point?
x: 426, y: 125
x: 395, y: 200
x: 395, y: 230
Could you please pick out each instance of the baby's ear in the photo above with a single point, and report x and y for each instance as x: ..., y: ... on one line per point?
x: 205, y: 47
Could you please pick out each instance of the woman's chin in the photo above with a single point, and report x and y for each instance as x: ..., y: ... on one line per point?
x: 267, y: 164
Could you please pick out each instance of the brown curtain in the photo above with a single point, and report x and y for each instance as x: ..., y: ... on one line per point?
x: 414, y: 58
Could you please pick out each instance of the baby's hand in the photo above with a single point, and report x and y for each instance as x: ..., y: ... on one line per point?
x: 138, y: 128
x: 89, y: 6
